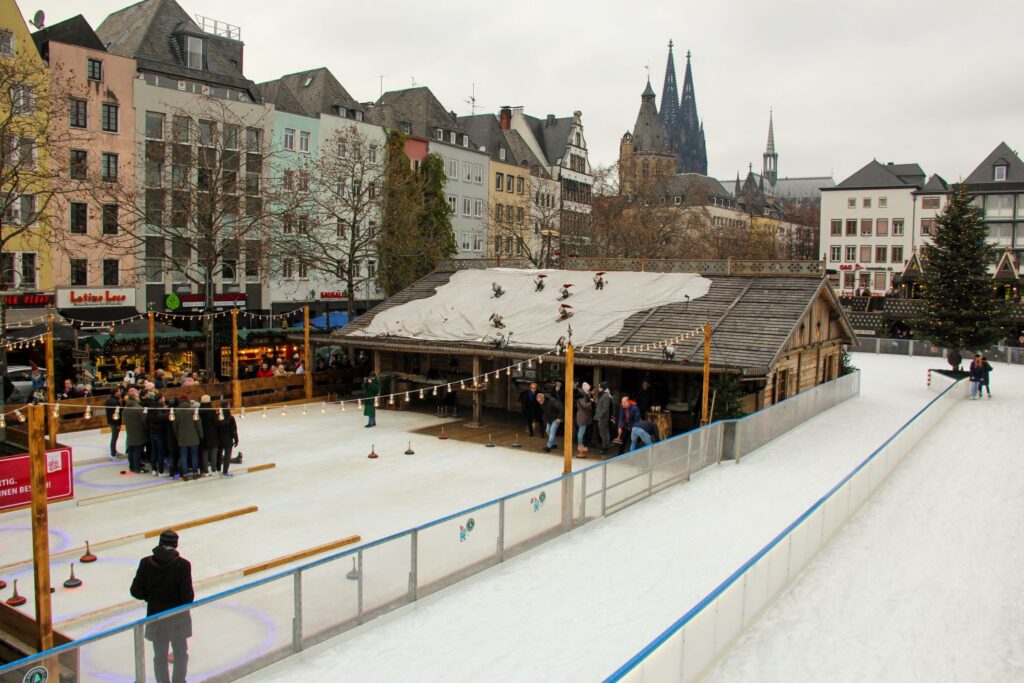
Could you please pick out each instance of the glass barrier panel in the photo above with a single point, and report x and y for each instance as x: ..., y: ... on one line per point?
x: 797, y: 551
x: 1017, y: 355
x: 593, y: 479
x: 627, y: 481
x: 729, y: 621
x: 756, y: 595
x: 330, y: 598
x: 110, y: 658
x: 532, y: 517
x: 923, y: 348
x: 452, y: 550
x: 666, y: 662
x: 778, y: 567
x: 670, y: 462
x: 386, y: 573
x: 699, y: 645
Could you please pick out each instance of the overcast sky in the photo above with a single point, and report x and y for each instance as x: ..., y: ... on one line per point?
x: 937, y: 83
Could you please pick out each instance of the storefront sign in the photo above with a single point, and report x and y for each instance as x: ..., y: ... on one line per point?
x: 225, y: 300
x: 25, y: 300
x: 334, y: 295
x: 847, y: 266
x: 172, y: 302
x: 92, y: 297
x: 15, y: 485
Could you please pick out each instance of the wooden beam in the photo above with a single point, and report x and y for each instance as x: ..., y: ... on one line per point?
x: 478, y: 398
x: 40, y: 524
x: 259, y: 468
x: 51, y: 379
x: 567, y: 408
x: 302, y: 554
x: 305, y: 354
x: 202, y: 520
x: 704, y: 416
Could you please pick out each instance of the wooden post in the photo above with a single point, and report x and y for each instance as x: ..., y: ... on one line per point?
x: 40, y: 530
x: 567, y: 419
x: 152, y: 347
x: 236, y: 384
x: 306, y: 358
x: 707, y: 375
x: 51, y: 387
x: 477, y: 396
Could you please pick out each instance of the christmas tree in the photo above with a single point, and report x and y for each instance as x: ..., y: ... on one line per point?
x: 961, y: 308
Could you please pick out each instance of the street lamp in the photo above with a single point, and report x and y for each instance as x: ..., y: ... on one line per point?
x: 547, y: 234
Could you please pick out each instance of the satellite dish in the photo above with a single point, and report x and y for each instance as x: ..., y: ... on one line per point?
x: 39, y: 19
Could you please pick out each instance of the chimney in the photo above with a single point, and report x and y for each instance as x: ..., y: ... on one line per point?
x: 506, y: 117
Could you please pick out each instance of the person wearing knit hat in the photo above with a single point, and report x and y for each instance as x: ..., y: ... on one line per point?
x: 603, y: 415
x: 164, y: 581
x: 209, y: 442
x: 584, y: 418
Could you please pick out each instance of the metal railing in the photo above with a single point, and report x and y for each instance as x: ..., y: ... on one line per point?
x: 914, y: 347
x: 685, y: 650
x: 282, y: 614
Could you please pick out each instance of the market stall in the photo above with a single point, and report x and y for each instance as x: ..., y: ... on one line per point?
x: 126, y: 346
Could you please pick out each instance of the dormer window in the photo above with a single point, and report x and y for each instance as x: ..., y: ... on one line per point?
x: 999, y: 172
x: 451, y: 136
x: 342, y: 112
x: 195, y: 52
x: 307, y: 82
x: 501, y: 153
x: 465, y: 140
x: 359, y: 115
x: 439, y: 134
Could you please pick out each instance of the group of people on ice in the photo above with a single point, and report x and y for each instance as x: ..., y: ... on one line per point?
x: 979, y: 375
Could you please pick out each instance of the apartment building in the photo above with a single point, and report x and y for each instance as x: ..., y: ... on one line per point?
x: 997, y: 184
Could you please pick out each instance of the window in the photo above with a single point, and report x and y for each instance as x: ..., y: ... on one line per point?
x: 231, y: 133
x: 439, y: 134
x: 509, y: 180
x: 111, y: 272
x: 520, y: 184
x: 110, y: 219
x: 867, y: 203
x: 287, y: 268
x: 930, y: 202
x: 478, y: 242
x: 302, y: 224
x: 304, y: 141
x: 467, y: 171
x: 897, y: 227
x: 372, y: 154
x: 303, y: 269
x: 851, y: 227
x: 478, y: 208
x: 465, y: 140
x: 465, y: 241
x: 6, y: 43
x: 303, y: 183
x: 154, y: 125
x: 837, y: 227
x: 229, y: 262
x: 882, y: 227
x: 180, y: 129
x: 252, y: 259
x: 499, y: 181
x: 207, y: 132
x: 289, y: 180
x: 835, y: 252
x: 501, y: 154
x: 108, y: 167
x: 865, y: 227
x: 453, y: 202
x: 287, y: 224
x: 79, y: 218
x: 109, y: 122
x: 880, y: 254
x: 195, y: 52
x: 452, y: 167
x: 883, y: 202
x: 497, y: 243
x: 79, y: 164
x: 467, y: 206
x: 999, y: 172
x: 79, y: 113
x: 451, y: 136
x: 154, y: 259
x: 520, y: 214
x: 849, y: 279
x: 289, y: 138
x: 865, y: 253
x: 851, y: 254
x: 926, y: 225
x: 897, y: 254
x: 253, y: 138
x: 371, y: 268
x: 478, y: 174
x: 23, y: 99
x: 28, y: 270
x: 999, y: 206
x: 154, y: 173
x: 79, y: 271
x: 851, y: 203
x: 94, y: 69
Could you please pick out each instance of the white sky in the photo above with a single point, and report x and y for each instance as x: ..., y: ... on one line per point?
x: 897, y: 80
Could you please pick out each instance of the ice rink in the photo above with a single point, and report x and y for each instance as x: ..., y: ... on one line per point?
x: 581, y: 605
x: 923, y: 584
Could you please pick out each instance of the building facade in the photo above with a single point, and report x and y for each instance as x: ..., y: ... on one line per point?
x: 997, y: 185
x: 645, y: 153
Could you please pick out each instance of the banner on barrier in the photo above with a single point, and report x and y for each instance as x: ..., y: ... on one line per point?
x: 15, y: 486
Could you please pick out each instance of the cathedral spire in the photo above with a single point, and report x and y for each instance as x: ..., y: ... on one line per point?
x: 670, y: 96
x: 770, y: 164
x: 688, y: 106
x: 771, y: 134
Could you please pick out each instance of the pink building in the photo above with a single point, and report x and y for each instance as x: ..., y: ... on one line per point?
x: 88, y: 249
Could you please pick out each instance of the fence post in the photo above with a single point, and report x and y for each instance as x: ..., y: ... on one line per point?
x: 650, y: 470
x: 910, y: 348
x: 359, y: 588
x: 297, y: 611
x: 878, y: 345
x: 604, y: 488
x: 140, y: 653
x: 413, y: 561
x: 501, y: 530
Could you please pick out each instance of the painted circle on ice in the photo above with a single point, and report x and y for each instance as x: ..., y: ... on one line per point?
x: 470, y: 523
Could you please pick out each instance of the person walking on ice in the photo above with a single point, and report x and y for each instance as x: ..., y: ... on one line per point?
x: 164, y: 581
x: 974, y: 374
x: 371, y: 390
x: 986, y: 369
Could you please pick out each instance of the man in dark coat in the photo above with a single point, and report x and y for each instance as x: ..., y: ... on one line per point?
x: 188, y: 432
x: 531, y: 409
x: 136, y: 430
x: 112, y: 404
x: 156, y: 420
x: 209, y: 443
x: 554, y: 412
x: 644, y: 430
x: 644, y: 398
x: 164, y: 581
x: 603, y: 416
x: 227, y: 437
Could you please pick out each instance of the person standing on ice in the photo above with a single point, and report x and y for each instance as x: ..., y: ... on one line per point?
x: 371, y: 390
x: 986, y: 368
x: 975, y: 373
x: 531, y: 410
x: 603, y: 416
x: 164, y: 581
x: 584, y: 418
x: 553, y: 412
x: 629, y: 415
x: 113, y: 407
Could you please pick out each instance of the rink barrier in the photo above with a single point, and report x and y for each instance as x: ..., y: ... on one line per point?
x: 1013, y: 355
x: 688, y: 648
x: 305, y: 605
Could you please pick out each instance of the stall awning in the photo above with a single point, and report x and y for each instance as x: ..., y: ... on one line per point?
x: 337, y: 321
x: 245, y: 335
x: 99, y: 315
x: 99, y: 341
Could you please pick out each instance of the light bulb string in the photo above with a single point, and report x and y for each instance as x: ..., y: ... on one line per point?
x: 66, y: 319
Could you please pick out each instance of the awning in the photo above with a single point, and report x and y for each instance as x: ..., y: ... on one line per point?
x: 257, y: 332
x: 100, y: 341
x: 98, y: 316
x: 337, y: 320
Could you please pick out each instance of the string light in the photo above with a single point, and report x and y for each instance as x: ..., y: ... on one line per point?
x: 242, y: 415
x: 56, y: 411
x: 220, y: 414
x: 88, y: 411
x: 303, y: 410
x: 21, y: 418
x: 407, y: 397
x: 195, y: 415
x: 171, y: 416
x: 264, y: 416
x: 323, y: 407
x: 421, y: 393
x: 435, y: 390
x: 3, y: 420
x: 117, y: 413
x: 376, y: 402
x: 343, y: 406
x: 284, y: 411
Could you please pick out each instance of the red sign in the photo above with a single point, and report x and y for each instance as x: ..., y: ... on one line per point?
x: 15, y: 488
x: 28, y: 300
x: 846, y: 266
x: 334, y: 295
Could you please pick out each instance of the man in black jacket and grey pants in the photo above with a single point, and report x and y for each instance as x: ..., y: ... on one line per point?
x: 164, y: 581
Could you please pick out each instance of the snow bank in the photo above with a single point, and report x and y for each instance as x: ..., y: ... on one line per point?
x: 462, y: 308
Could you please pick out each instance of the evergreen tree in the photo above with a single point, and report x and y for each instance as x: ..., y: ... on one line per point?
x: 401, y: 210
x: 845, y: 362
x: 436, y: 221
x: 728, y: 397
x: 961, y: 308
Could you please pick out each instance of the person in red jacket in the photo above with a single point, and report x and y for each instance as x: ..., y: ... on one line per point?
x: 264, y: 371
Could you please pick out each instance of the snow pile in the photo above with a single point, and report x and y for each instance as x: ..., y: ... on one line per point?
x: 461, y: 310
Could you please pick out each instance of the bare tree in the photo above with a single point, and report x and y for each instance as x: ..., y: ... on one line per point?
x: 338, y: 227
x: 204, y: 200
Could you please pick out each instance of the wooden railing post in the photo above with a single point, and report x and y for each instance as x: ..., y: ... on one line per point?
x: 40, y: 526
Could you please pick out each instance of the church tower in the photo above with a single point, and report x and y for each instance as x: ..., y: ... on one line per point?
x: 770, y: 165
x: 670, y: 96
x: 644, y: 153
x: 679, y: 116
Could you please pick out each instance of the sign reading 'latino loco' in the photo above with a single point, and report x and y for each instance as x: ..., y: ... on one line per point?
x: 88, y: 297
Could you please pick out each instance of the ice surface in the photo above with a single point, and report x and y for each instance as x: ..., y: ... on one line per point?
x: 461, y: 309
x: 580, y: 606
x: 923, y: 584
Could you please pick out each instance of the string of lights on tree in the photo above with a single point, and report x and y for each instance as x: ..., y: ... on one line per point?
x: 470, y: 383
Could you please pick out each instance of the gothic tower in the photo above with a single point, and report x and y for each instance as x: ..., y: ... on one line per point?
x: 644, y: 154
x: 770, y: 165
x: 682, y: 125
x: 670, y: 96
